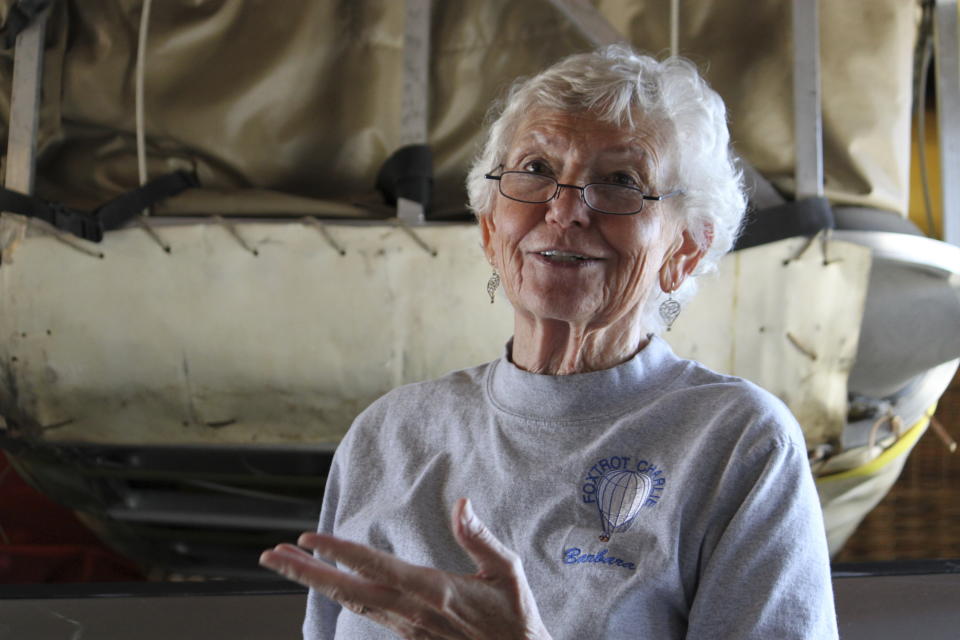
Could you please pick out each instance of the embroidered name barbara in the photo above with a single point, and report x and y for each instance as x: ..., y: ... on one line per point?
x: 573, y: 555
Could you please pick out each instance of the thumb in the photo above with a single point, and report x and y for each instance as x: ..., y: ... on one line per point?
x: 487, y: 552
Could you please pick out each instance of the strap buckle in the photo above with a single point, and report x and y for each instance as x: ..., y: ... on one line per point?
x: 76, y: 222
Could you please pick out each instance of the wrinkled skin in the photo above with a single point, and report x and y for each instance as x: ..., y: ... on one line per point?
x: 570, y: 317
x: 420, y: 602
x: 573, y: 318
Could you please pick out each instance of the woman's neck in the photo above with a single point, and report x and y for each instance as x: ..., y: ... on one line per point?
x: 557, y: 347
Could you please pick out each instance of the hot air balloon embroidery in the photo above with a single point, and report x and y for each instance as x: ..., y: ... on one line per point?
x: 621, y: 494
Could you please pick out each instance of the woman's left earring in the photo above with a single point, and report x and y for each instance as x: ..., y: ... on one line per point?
x: 492, y: 285
x: 669, y: 310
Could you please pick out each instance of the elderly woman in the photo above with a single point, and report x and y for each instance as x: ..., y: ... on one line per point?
x: 615, y: 490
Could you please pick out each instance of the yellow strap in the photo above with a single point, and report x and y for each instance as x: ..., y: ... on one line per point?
x: 901, y: 446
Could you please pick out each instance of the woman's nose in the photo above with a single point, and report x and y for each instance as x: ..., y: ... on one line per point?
x: 568, y: 209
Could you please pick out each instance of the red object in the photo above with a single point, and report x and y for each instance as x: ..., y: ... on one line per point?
x: 44, y: 542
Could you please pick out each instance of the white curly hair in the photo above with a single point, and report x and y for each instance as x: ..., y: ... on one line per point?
x: 627, y: 89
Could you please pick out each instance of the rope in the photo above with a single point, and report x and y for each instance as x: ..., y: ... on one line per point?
x: 141, y: 59
x: 141, y: 118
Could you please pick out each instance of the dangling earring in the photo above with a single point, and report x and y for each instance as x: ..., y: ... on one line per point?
x: 492, y: 285
x: 669, y: 310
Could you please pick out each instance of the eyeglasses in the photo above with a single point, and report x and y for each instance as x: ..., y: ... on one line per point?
x: 536, y: 188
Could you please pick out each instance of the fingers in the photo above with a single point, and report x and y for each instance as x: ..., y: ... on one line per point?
x: 488, y: 553
x: 354, y: 592
x: 405, y: 613
x: 290, y: 549
x: 415, y: 601
x: 422, y: 582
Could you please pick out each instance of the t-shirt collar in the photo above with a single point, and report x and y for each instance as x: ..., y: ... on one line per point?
x: 579, y: 396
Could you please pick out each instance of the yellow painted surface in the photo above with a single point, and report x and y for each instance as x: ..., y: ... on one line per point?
x: 917, y: 210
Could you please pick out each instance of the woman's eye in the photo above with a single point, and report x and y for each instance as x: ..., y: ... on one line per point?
x: 536, y: 166
x: 622, y: 178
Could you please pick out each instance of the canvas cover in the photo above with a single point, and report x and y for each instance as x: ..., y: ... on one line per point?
x: 222, y: 346
x: 782, y: 315
x: 279, y: 107
x: 213, y: 345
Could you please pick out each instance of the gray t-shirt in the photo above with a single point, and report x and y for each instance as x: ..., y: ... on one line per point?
x: 657, y: 499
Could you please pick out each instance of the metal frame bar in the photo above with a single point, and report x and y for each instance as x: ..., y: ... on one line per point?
x: 947, y: 60
x: 808, y: 126
x: 25, y: 106
x: 674, y: 27
x: 208, y: 510
x: 414, y: 106
x: 267, y: 464
x: 416, y: 73
x: 21, y: 161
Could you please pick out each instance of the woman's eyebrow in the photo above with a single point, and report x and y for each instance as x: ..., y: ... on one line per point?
x: 533, y: 145
x: 639, y: 159
x: 624, y: 149
x: 631, y: 151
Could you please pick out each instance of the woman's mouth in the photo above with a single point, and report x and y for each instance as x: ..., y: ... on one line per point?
x: 559, y: 257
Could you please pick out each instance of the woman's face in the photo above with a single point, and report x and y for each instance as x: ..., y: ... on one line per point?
x: 564, y: 261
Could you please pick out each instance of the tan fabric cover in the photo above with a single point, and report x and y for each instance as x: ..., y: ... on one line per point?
x: 745, y: 49
x: 302, y: 97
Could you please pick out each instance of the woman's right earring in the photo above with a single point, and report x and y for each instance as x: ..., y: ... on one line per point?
x: 669, y: 310
x: 492, y: 285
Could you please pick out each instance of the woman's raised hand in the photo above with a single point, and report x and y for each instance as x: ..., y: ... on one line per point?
x: 422, y: 602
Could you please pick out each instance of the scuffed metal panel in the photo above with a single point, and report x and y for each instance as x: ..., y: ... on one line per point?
x: 211, y: 344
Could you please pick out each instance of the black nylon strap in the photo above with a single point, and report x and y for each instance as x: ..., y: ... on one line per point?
x: 408, y: 173
x: 78, y: 223
x: 112, y: 215
x: 799, y: 218
x: 120, y: 210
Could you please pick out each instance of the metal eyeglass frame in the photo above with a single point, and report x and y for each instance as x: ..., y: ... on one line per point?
x: 582, y: 190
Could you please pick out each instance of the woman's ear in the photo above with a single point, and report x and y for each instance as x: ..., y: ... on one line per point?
x: 487, y: 228
x: 683, y: 260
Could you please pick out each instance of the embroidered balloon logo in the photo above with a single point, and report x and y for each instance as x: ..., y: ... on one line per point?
x: 620, y: 495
